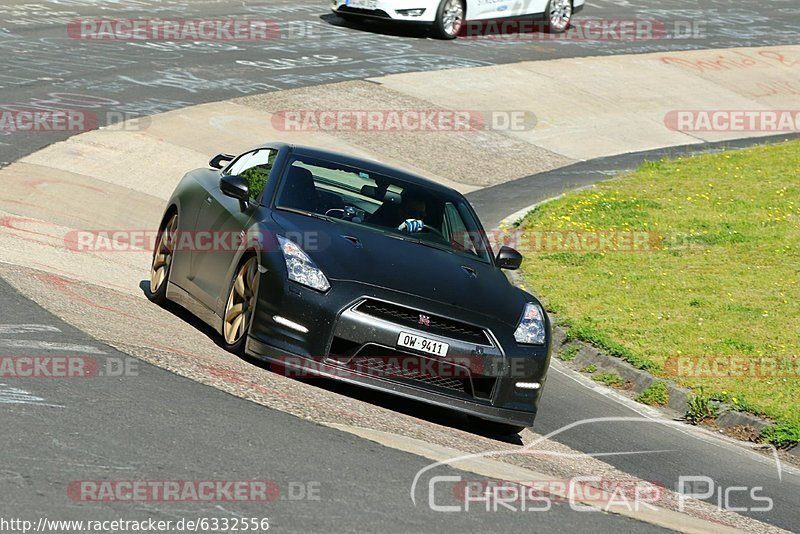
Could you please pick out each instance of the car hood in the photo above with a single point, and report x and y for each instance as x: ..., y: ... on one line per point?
x: 349, y: 253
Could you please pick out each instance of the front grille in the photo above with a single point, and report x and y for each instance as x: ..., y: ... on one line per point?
x: 390, y: 364
x: 386, y: 369
x: 386, y: 363
x: 411, y: 318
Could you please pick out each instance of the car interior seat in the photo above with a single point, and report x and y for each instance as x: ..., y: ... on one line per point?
x: 299, y: 191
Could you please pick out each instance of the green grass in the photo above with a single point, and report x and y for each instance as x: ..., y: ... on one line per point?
x: 591, y: 368
x: 569, y: 353
x: 609, y: 379
x: 783, y: 435
x: 724, y: 280
x: 654, y: 395
x: 701, y: 408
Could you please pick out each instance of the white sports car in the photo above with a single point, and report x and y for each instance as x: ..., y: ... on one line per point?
x: 448, y: 16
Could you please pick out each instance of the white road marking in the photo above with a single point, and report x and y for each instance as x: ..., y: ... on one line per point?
x: 47, y: 345
x: 7, y: 329
x: 12, y: 395
x: 699, y: 433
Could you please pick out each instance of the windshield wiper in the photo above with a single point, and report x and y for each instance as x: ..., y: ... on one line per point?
x: 313, y: 214
x: 318, y: 216
x: 424, y: 242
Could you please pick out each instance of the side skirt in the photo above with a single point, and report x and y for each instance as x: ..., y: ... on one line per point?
x: 182, y: 298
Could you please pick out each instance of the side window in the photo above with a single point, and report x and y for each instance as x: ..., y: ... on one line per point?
x: 456, y: 231
x: 255, y: 168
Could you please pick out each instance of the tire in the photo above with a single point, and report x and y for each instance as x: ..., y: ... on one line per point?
x: 558, y: 16
x: 449, y: 19
x: 163, y: 256
x: 493, y: 428
x: 241, y: 303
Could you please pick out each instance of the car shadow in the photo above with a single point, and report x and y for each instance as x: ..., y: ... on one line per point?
x: 186, y: 316
x: 379, y: 27
x: 420, y: 410
x: 395, y: 403
x: 524, y: 28
x: 510, y: 27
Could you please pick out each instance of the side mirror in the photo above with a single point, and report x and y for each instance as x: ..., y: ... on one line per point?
x: 235, y: 187
x: 508, y: 258
x: 218, y: 161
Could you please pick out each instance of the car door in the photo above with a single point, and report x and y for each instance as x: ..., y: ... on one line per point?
x: 516, y: 8
x: 484, y: 9
x: 222, y: 224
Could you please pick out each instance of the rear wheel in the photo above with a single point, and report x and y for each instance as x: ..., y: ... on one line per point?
x: 163, y: 255
x: 449, y: 19
x: 559, y: 16
x: 240, y: 305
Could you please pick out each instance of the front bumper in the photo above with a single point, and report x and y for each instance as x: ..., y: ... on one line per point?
x: 404, y: 10
x: 395, y: 10
x: 477, y: 376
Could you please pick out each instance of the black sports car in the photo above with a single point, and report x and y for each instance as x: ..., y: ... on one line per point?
x: 346, y: 268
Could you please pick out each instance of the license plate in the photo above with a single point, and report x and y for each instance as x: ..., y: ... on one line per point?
x: 362, y: 4
x: 424, y: 344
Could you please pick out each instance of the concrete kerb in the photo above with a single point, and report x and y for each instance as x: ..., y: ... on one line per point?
x: 487, y: 466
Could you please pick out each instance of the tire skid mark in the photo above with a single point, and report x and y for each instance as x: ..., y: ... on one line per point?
x: 239, y: 378
x: 65, y: 286
x: 67, y: 214
x: 44, y: 266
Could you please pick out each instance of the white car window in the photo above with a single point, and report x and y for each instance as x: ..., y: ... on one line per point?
x: 255, y: 167
x: 251, y: 159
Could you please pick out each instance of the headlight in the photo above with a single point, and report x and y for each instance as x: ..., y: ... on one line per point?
x: 531, y: 329
x: 302, y: 269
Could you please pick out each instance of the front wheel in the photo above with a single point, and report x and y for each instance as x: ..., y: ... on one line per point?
x: 241, y: 305
x: 559, y: 16
x: 449, y: 19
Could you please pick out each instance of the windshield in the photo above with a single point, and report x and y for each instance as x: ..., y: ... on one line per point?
x: 382, y: 203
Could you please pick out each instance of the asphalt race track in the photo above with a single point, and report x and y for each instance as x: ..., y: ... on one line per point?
x: 164, y: 427
x: 42, y: 65
x: 156, y: 425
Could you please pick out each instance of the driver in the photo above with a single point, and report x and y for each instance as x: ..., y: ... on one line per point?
x: 412, y: 213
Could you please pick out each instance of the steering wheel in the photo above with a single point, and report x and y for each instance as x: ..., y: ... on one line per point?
x: 348, y: 213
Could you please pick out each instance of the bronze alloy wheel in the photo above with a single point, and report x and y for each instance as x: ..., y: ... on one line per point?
x: 241, y: 302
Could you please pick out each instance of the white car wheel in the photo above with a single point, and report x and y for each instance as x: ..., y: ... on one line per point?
x: 449, y: 19
x: 559, y: 16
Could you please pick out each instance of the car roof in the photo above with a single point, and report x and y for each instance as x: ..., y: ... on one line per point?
x: 365, y: 164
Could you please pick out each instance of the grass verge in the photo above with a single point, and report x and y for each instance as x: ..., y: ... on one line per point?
x: 655, y: 395
x: 711, y: 296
